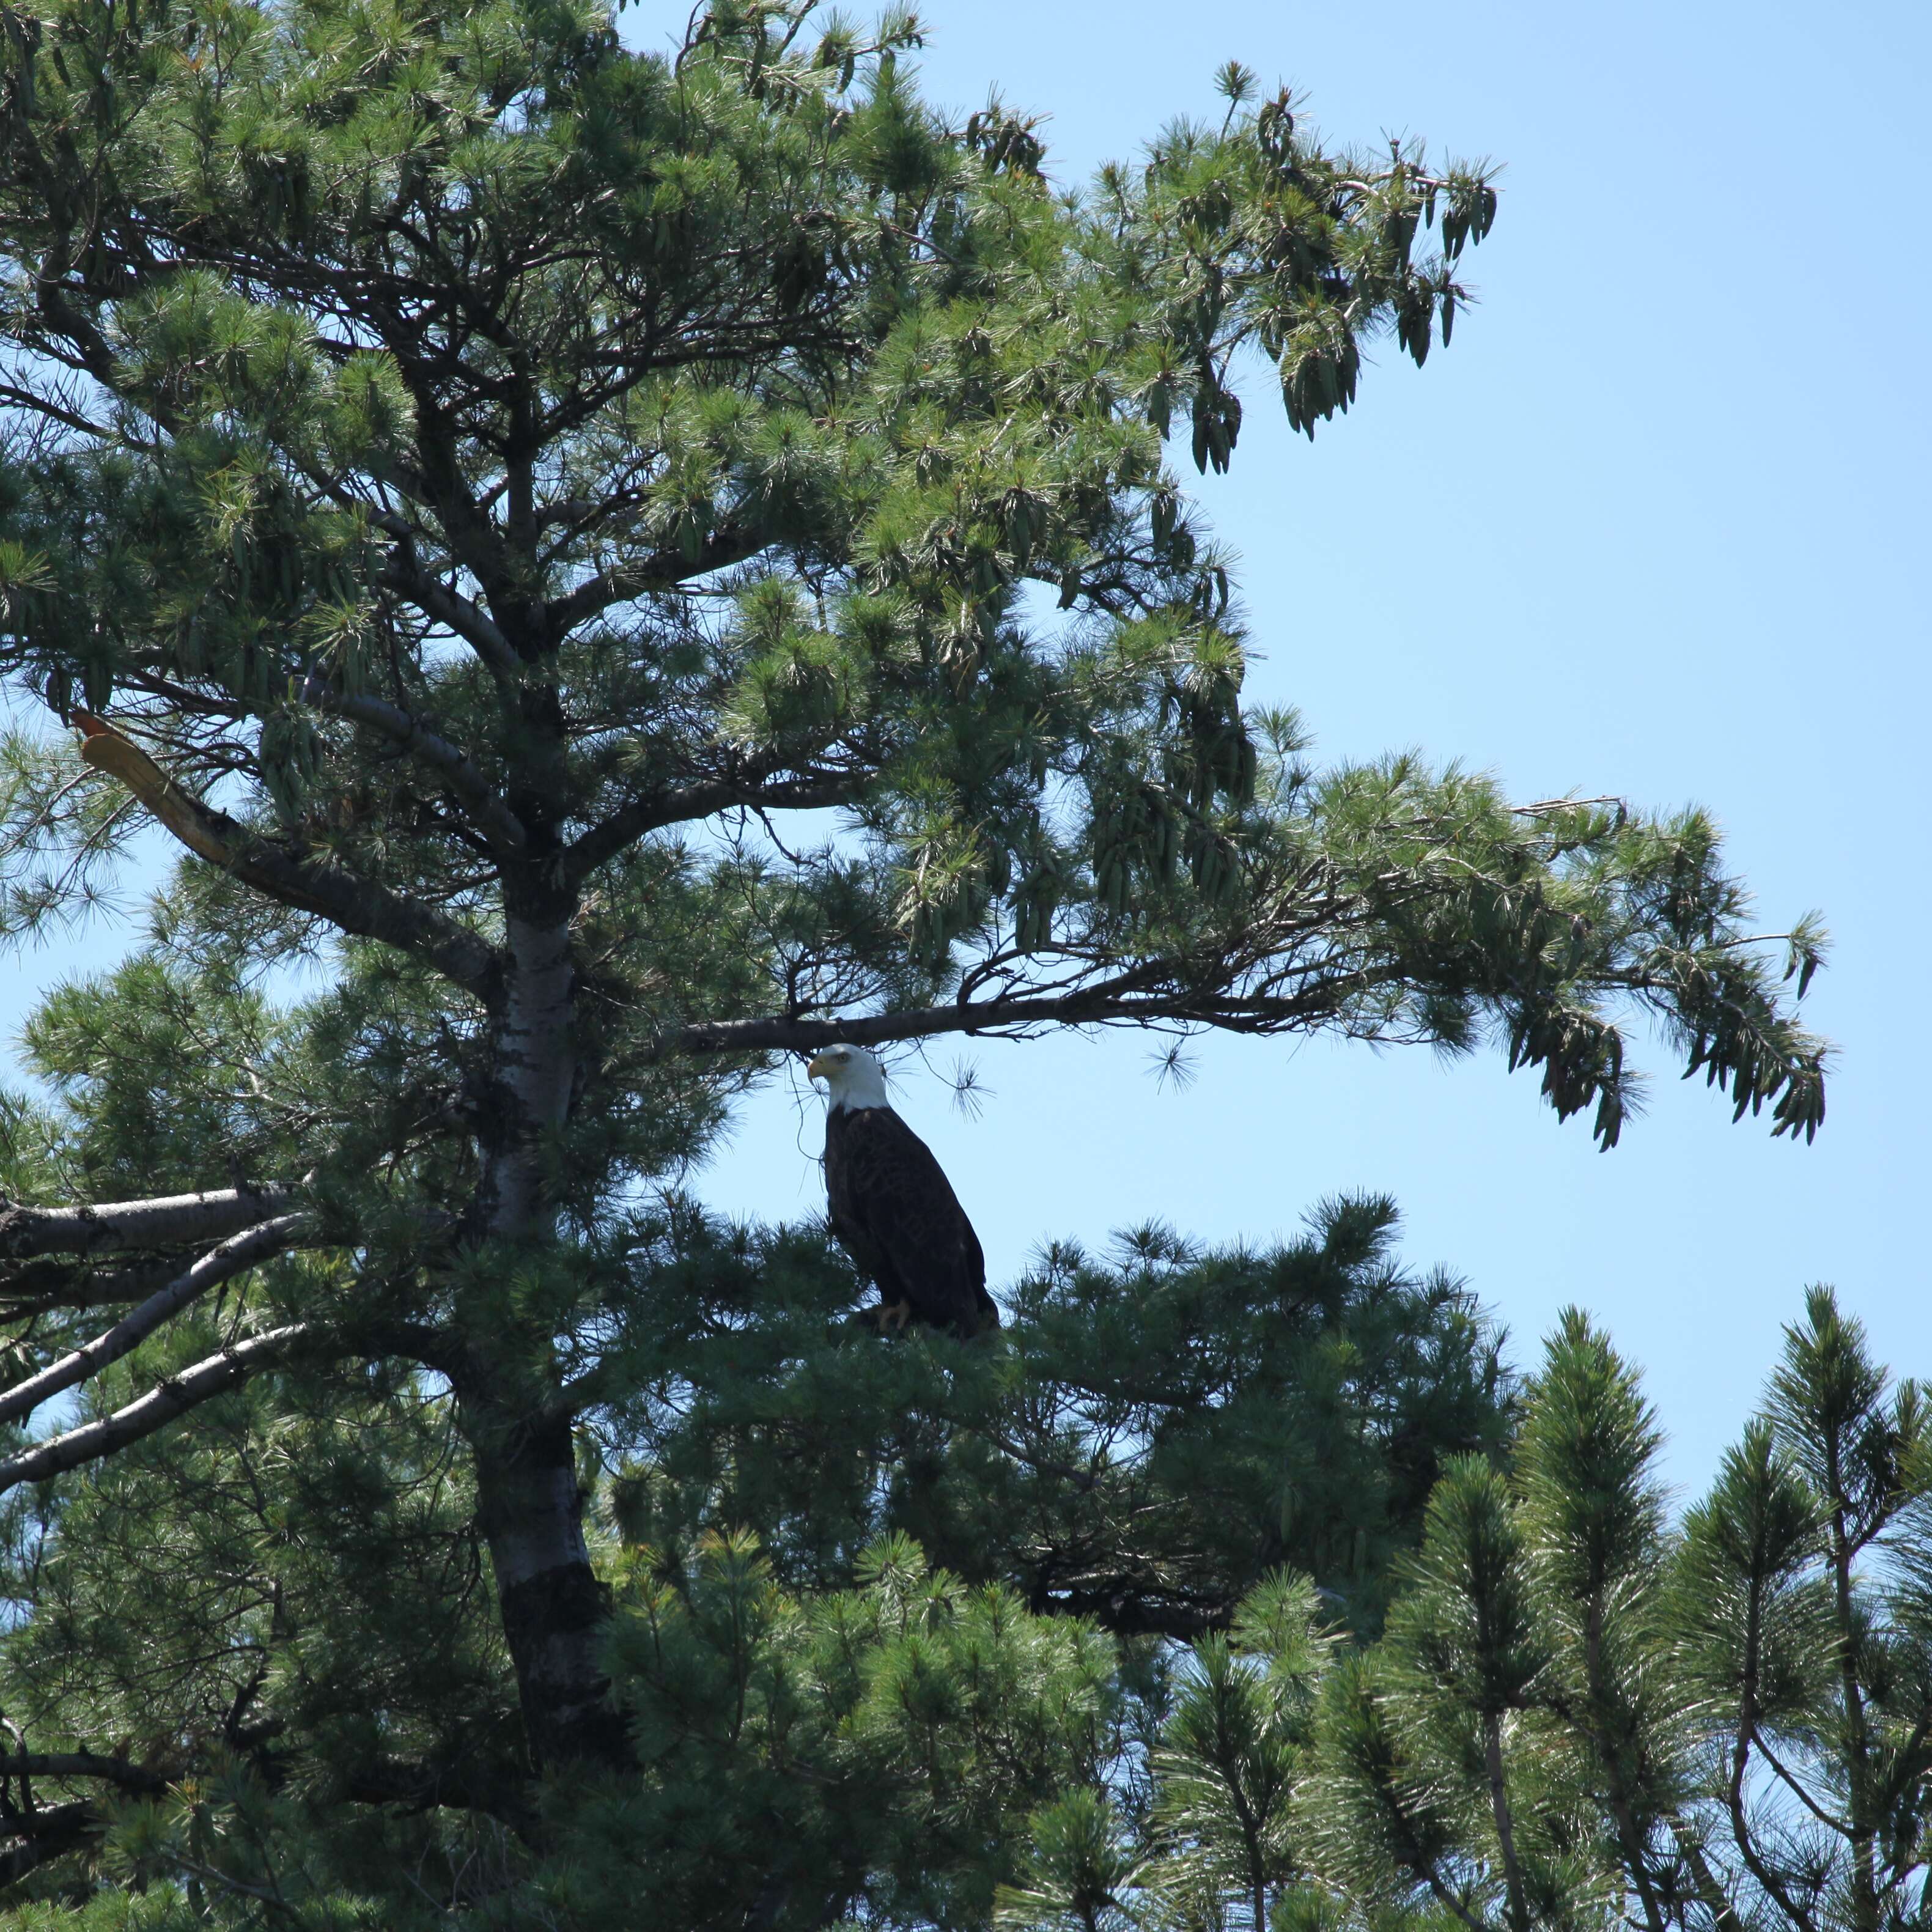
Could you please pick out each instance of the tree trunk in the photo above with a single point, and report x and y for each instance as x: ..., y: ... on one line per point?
x: 553, y: 1608
x: 535, y: 1069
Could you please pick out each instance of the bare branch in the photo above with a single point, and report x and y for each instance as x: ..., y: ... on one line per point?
x: 1083, y: 1480
x: 211, y: 1376
x: 231, y: 1258
x: 166, y: 1221
x: 1542, y: 808
x: 1107, y: 1003
x: 663, y: 570
x: 39, y: 405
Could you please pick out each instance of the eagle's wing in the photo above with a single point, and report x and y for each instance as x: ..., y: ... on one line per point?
x: 895, y: 1211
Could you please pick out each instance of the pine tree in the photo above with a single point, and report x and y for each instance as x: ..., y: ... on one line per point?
x: 479, y: 491
x: 1580, y: 1715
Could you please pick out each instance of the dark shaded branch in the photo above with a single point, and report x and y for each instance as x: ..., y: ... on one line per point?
x: 37, y: 404
x: 358, y: 905
x: 1133, y: 1611
x: 499, y: 1791
x: 1105, y: 1004
x: 304, y: 880
x: 1843, y: 1826
x: 231, y: 1258
x: 120, y: 1771
x: 454, y: 611
x: 45, y: 1835
x: 211, y: 1376
x: 1083, y: 1479
x: 405, y: 574
x: 46, y: 1283
x: 662, y: 570
x: 166, y: 1221
x: 750, y: 791
x: 487, y: 811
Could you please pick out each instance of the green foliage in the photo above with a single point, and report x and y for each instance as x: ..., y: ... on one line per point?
x: 1581, y: 1716
x: 460, y: 439
x: 1148, y: 1439
x: 294, y: 1595
x: 899, y: 1730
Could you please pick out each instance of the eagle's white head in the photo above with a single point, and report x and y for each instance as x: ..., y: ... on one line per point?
x: 853, y: 1078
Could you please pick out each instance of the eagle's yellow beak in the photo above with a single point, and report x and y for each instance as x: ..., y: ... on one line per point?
x: 818, y: 1068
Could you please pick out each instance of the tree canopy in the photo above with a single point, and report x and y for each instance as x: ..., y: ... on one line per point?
x: 627, y: 565
x: 1581, y: 1715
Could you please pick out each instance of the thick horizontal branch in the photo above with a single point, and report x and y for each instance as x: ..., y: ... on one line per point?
x: 166, y: 1221
x: 120, y: 1771
x: 46, y: 1283
x: 209, y: 1377
x: 1102, y: 1006
x: 487, y: 811
x: 222, y: 1264
x: 44, y: 1835
x: 499, y: 1791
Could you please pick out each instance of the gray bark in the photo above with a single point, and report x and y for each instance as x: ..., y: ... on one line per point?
x: 209, y: 1377
x: 553, y: 1608
x: 168, y: 1221
x: 231, y: 1258
x: 536, y: 1067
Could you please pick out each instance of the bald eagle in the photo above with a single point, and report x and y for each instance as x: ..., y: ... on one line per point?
x: 892, y: 1208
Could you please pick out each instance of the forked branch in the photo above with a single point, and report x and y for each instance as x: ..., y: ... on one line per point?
x: 213, y: 1375
x: 222, y: 1264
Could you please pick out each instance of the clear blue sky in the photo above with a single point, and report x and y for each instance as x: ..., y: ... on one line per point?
x: 1656, y: 525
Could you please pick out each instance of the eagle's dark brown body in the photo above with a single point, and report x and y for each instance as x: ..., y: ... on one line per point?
x: 895, y: 1214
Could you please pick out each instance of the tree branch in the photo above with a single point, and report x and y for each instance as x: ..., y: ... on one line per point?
x: 231, y: 1257
x: 166, y: 1221
x: 210, y: 1377
x: 497, y: 1791
x: 681, y: 805
x: 662, y: 570
x: 46, y: 1283
x: 302, y: 880
x: 120, y: 1771
x: 1107, y: 1003
x: 489, y: 813
x: 454, y: 612
x: 45, y: 1835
